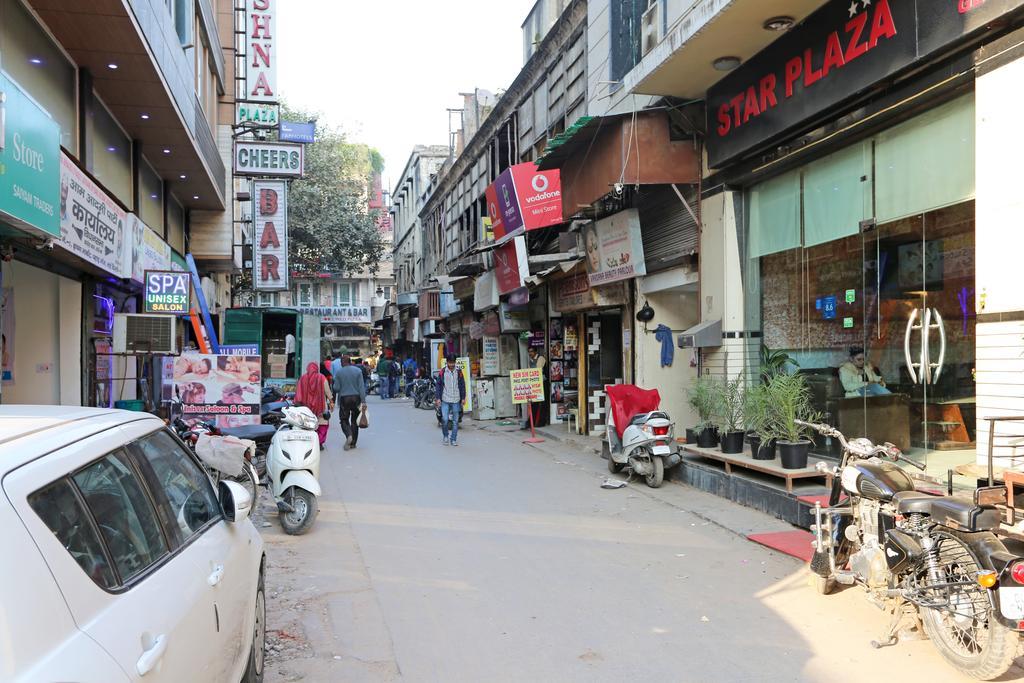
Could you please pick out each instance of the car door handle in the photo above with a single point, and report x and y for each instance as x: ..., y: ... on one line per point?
x: 151, y: 657
x: 216, y: 575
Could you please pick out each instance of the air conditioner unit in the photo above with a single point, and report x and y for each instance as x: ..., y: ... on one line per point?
x: 141, y: 333
x: 650, y: 29
x: 328, y: 330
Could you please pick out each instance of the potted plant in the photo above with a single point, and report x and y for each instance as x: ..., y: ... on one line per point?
x: 775, y: 362
x: 702, y: 397
x: 790, y: 400
x: 729, y: 409
x: 759, y: 426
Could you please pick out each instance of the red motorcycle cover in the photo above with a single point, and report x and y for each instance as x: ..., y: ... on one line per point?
x: 628, y: 400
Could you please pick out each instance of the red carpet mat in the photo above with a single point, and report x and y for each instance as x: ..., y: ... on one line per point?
x: 811, y: 500
x: 796, y: 543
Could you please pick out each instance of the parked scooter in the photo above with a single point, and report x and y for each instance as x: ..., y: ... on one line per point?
x: 293, y: 463
x: 639, y: 436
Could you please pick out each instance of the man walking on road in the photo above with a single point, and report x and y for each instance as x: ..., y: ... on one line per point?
x: 351, y: 391
x: 384, y: 377
x: 449, y: 394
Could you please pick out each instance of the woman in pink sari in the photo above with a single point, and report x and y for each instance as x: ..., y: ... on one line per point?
x: 314, y: 392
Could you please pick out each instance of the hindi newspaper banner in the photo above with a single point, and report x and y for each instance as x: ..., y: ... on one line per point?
x: 145, y: 250
x: 220, y: 388
x: 527, y: 385
x: 614, y: 247
x: 270, y: 244
x: 92, y: 225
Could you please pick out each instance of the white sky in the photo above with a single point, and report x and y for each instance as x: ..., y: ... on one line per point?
x: 386, y: 70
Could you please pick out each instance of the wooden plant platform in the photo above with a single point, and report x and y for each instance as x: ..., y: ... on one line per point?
x: 770, y: 467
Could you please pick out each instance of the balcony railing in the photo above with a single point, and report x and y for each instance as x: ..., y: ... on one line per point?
x: 208, y: 146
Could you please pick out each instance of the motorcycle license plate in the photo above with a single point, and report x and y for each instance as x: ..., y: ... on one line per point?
x: 660, y: 449
x: 1011, y: 602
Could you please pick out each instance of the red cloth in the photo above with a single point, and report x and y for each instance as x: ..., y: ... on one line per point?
x: 310, y: 391
x: 628, y: 400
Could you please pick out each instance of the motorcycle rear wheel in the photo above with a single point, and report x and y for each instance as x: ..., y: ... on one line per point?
x: 657, y: 475
x: 971, y: 640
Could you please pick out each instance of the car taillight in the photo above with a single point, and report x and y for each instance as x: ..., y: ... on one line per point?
x: 1017, y: 572
x: 660, y: 431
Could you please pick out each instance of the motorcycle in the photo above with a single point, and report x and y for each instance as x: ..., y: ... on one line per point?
x: 639, y: 436
x: 243, y: 470
x: 932, y: 559
x: 423, y: 393
x: 293, y: 463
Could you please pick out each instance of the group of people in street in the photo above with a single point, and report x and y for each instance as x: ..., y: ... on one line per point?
x: 338, y: 382
x: 391, y: 370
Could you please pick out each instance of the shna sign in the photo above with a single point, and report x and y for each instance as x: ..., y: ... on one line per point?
x: 167, y: 291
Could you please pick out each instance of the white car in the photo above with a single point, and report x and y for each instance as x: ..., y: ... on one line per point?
x: 119, y: 561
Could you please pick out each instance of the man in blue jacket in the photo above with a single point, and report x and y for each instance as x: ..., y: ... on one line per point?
x: 449, y: 393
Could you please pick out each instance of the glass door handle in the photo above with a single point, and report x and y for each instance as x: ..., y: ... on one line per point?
x: 906, y: 345
x: 926, y: 365
x: 941, y: 327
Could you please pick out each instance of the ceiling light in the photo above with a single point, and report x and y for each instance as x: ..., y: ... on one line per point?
x: 112, y: 66
x: 35, y: 60
x: 779, y: 24
x: 111, y: 149
x: 726, y: 63
x: 144, y: 117
x: 183, y: 176
x: 154, y: 196
x: 195, y: 196
x: 167, y: 150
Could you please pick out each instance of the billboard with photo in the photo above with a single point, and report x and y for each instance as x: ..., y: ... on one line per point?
x: 224, y: 389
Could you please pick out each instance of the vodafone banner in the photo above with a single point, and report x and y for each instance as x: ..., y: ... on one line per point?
x: 524, y: 198
x: 510, y: 265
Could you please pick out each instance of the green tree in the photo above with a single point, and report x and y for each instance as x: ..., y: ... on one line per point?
x: 330, y: 228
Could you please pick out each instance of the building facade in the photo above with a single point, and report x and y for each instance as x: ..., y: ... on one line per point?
x: 113, y: 156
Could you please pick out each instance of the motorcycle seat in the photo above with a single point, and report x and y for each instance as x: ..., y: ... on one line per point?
x: 253, y: 432
x: 948, y: 511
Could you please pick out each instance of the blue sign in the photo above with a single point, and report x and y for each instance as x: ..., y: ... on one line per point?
x: 817, y: 304
x: 828, y: 308
x: 249, y: 350
x: 167, y: 292
x: 289, y: 131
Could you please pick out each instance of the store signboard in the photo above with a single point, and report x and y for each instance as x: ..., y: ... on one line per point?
x: 224, y: 388
x: 539, y: 194
x: 166, y: 292
x: 510, y: 265
x: 269, y: 159
x: 514, y: 319
x: 527, y: 385
x: 615, y: 250
x: 240, y: 349
x: 485, y: 292
x: 92, y: 224
x: 270, y: 248
x: 29, y: 162
x: 290, y: 131
x: 838, y: 52
x: 353, y: 315
x: 257, y: 115
x: 572, y: 294
x: 145, y: 250
x: 463, y: 364
x: 261, y: 55
x: 490, y: 362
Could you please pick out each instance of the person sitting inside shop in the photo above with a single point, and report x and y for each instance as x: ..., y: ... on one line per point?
x: 859, y: 378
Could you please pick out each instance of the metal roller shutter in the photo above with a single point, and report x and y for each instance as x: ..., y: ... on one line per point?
x: 669, y: 231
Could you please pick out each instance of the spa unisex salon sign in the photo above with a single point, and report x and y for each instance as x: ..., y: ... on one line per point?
x: 167, y: 292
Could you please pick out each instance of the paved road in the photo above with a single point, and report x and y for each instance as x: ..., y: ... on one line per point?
x: 496, y: 561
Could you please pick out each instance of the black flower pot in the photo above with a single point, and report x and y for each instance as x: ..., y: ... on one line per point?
x: 765, y: 451
x: 706, y: 438
x: 794, y: 454
x: 732, y: 442
x: 755, y: 442
x: 691, y: 436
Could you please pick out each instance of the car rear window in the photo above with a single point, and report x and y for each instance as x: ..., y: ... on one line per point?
x: 62, y: 511
x: 124, y: 514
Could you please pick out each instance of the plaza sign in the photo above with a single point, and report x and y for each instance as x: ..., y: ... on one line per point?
x: 257, y: 115
x: 29, y: 162
x: 261, y: 55
x: 272, y: 159
x: 270, y: 244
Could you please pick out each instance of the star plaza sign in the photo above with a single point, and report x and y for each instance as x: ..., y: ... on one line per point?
x: 839, y: 51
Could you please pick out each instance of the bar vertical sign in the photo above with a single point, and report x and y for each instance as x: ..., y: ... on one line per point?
x: 270, y: 238
x: 261, y: 55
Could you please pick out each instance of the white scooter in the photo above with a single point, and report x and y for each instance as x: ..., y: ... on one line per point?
x: 647, y: 444
x: 293, y: 463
